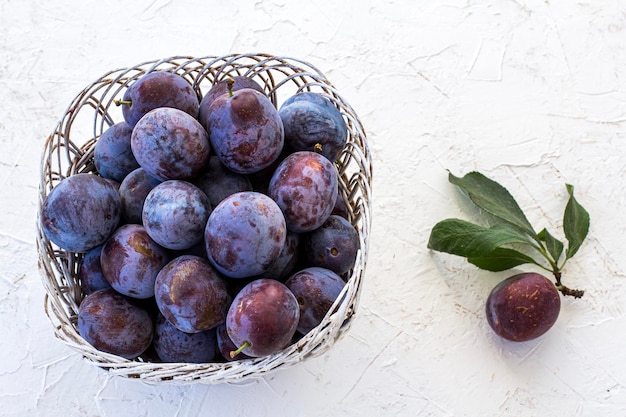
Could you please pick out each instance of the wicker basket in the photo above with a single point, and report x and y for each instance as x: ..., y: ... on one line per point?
x: 69, y: 150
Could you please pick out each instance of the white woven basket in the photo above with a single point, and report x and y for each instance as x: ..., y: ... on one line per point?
x: 69, y: 150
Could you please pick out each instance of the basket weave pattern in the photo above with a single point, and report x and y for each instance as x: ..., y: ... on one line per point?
x: 69, y: 150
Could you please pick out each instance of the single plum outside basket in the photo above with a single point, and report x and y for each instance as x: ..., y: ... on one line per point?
x: 69, y: 151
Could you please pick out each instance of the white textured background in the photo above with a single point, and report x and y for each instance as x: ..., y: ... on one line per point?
x: 529, y: 92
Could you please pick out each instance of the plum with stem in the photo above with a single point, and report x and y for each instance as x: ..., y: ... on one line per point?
x: 523, y: 307
x: 158, y: 89
x: 262, y: 318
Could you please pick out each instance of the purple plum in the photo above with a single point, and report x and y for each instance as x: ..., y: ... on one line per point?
x: 112, y: 154
x: 131, y: 260
x: 90, y: 273
x: 133, y: 192
x: 81, y: 212
x: 305, y: 188
x: 220, y: 88
x: 218, y: 182
x: 191, y: 294
x: 245, y: 130
x: 175, y: 214
x: 158, y: 89
x: 523, y: 307
x: 170, y: 144
x: 311, y: 120
x: 225, y: 345
x: 263, y: 318
x: 112, y: 323
x: 333, y: 245
x: 245, y: 234
x: 173, y: 345
x: 316, y: 289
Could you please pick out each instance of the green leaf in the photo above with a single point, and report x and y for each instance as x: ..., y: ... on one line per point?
x: 501, y: 259
x: 493, y: 198
x: 554, y: 246
x: 575, y: 223
x: 462, y: 238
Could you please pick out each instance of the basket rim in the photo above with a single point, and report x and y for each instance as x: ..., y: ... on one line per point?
x: 56, y: 303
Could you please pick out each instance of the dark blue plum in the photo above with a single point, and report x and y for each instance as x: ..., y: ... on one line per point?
x: 245, y: 234
x: 341, y: 208
x: 191, y: 294
x: 131, y: 260
x: 133, y: 192
x: 310, y: 119
x: 114, y: 183
x: 333, y: 245
x: 175, y: 214
x: 284, y: 265
x: 245, y: 131
x: 199, y: 249
x: 112, y: 323
x: 304, y: 186
x: 81, y: 212
x: 170, y: 144
x: 218, y: 182
x: 237, y: 82
x: 158, y: 89
x: 112, y: 154
x: 263, y: 318
x: 173, y: 345
x: 316, y: 289
x: 260, y: 180
x: 90, y: 273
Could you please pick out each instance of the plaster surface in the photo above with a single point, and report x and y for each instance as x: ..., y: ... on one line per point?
x: 529, y: 92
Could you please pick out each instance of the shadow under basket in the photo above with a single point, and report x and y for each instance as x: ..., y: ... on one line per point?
x: 69, y: 151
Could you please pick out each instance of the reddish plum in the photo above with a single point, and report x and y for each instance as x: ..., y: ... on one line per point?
x: 220, y: 88
x: 262, y: 318
x: 112, y: 323
x: 305, y: 188
x: 191, y: 294
x: 225, y: 345
x: 523, y: 307
x: 158, y: 89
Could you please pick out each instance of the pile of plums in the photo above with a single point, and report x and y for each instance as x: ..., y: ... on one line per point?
x: 213, y: 229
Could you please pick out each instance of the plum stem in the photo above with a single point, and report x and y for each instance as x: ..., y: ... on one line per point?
x: 229, y: 85
x: 318, y: 148
x: 121, y: 102
x: 565, y: 290
x: 234, y: 353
